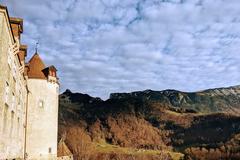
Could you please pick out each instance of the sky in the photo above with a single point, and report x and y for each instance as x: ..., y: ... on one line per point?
x: 105, y: 46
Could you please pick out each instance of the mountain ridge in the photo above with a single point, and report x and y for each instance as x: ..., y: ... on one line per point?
x: 170, y: 123
x: 225, y: 99
x: 165, y: 90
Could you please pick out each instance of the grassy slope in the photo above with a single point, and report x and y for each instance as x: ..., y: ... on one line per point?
x: 108, y: 148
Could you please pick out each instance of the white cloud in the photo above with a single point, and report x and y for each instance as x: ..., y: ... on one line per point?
x: 104, y: 46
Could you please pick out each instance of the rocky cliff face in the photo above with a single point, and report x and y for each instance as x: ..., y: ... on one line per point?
x: 156, y: 124
x: 208, y: 101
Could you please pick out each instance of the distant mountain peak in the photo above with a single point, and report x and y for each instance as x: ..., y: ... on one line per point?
x: 67, y: 91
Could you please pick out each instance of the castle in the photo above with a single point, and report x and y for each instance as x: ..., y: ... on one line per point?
x: 29, y: 98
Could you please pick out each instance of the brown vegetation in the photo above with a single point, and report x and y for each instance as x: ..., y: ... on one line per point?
x: 134, y: 128
x: 84, y: 148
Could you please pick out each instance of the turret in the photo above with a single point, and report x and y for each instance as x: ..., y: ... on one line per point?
x: 51, y: 74
x: 42, y: 120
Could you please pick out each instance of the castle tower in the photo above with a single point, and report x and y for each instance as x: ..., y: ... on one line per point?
x: 42, y: 110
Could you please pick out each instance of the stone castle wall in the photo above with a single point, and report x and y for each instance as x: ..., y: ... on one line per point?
x: 43, y: 121
x: 12, y: 93
x: 28, y: 106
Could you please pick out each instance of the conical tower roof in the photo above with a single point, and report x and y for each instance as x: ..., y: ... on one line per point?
x: 36, y: 67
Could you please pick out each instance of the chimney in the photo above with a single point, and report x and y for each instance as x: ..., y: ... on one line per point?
x: 22, y: 54
x: 17, y: 27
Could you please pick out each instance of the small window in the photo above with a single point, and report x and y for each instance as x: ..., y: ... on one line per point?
x: 12, y: 125
x: 49, y: 150
x: 5, y: 117
x: 6, y: 92
x: 13, y: 101
x: 18, y: 127
x: 41, y: 103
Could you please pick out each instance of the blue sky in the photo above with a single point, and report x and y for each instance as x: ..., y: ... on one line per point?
x: 105, y: 46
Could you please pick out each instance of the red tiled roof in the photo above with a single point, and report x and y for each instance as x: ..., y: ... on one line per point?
x: 36, y: 67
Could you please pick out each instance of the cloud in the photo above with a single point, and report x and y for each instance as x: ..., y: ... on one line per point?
x: 104, y: 46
